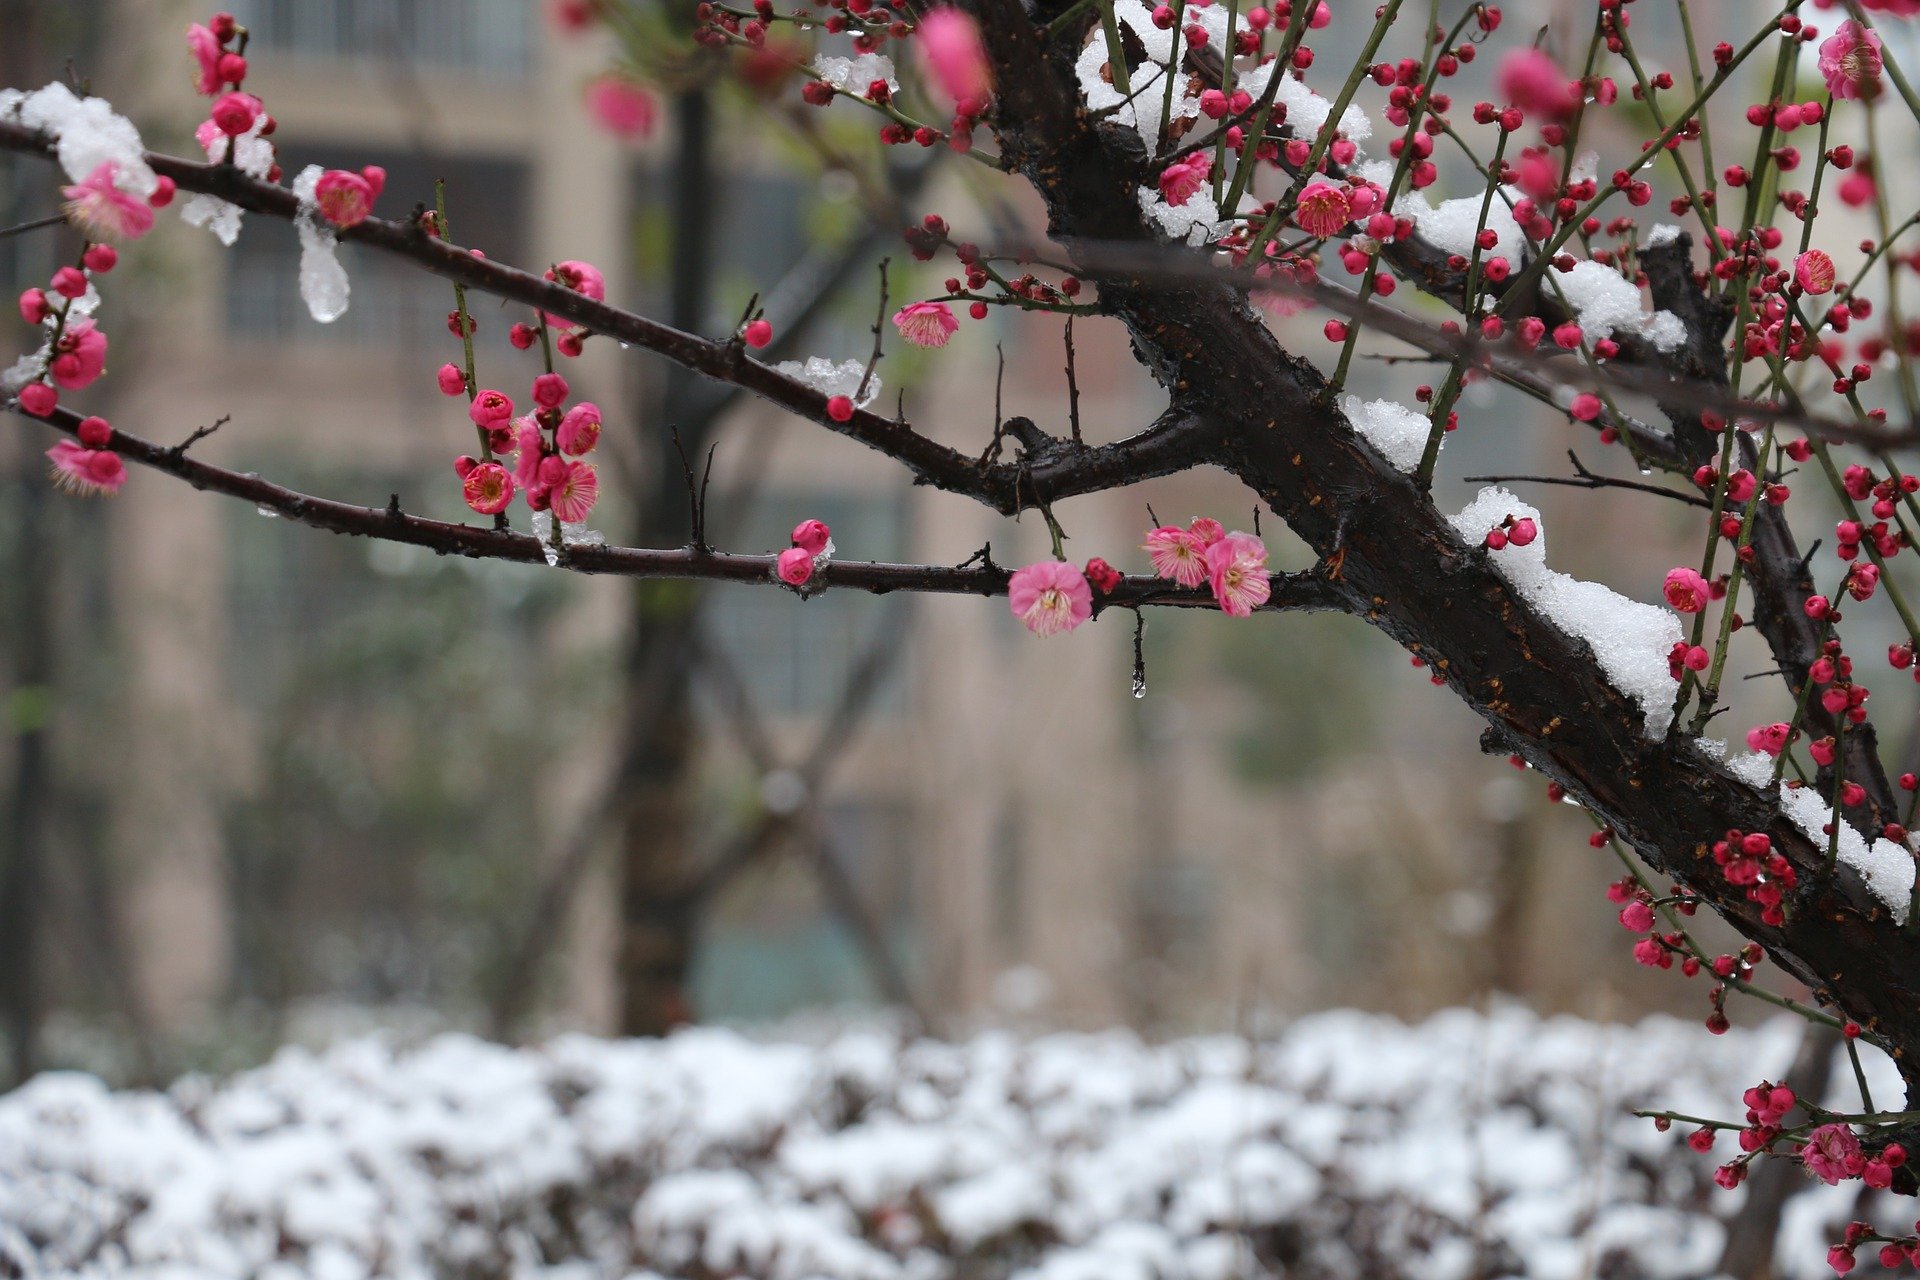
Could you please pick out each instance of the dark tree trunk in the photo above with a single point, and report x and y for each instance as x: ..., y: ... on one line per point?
x: 23, y: 874
x: 1270, y: 418
x: 657, y: 868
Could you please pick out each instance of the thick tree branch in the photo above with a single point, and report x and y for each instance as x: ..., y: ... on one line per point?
x: 1412, y: 576
x: 1175, y: 442
x: 1306, y: 592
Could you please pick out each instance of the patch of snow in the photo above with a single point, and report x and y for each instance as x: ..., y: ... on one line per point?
x: 833, y: 379
x: 87, y: 132
x: 323, y: 281
x: 1887, y: 868
x: 1378, y: 172
x: 1605, y: 302
x: 1397, y: 432
x: 1662, y: 233
x: 1755, y: 768
x: 1307, y: 111
x: 1377, y: 1147
x: 1142, y: 109
x: 857, y: 74
x: 1452, y: 226
x: 573, y: 535
x: 1196, y: 222
x: 253, y: 156
x: 1630, y: 640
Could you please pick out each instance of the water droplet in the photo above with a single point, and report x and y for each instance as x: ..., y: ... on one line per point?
x: 268, y: 512
x: 1139, y: 654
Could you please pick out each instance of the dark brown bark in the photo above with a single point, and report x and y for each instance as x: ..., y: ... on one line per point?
x: 1241, y: 401
x: 1405, y: 570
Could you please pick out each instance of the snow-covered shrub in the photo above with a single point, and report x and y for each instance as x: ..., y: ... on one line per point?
x: 1352, y: 1145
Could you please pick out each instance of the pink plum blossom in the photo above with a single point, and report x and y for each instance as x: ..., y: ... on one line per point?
x: 1176, y: 554
x: 102, y: 210
x: 1850, y: 62
x: 205, y: 47
x: 1050, y: 597
x: 1322, y: 210
x: 1831, y: 1153
x: 1813, y: 272
x: 1237, y: 572
x: 926, y: 324
x: 550, y: 390
x: 346, y: 199
x: 80, y: 357
x: 84, y: 471
x: 488, y: 488
x: 621, y: 107
x: 532, y: 452
x: 1182, y: 180
x: 1686, y: 590
x: 490, y: 406
x: 579, y: 430
x: 951, y: 49
x: 234, y: 113
x: 581, y: 277
x: 573, y: 491
x: 1534, y: 82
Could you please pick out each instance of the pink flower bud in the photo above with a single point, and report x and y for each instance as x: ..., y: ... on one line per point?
x: 758, y: 333
x: 489, y: 407
x: 811, y: 536
x: 235, y: 113
x: 579, y: 431
x: 549, y: 391
x: 1686, y: 590
x: 39, y: 399
x: 452, y: 381
x: 795, y: 565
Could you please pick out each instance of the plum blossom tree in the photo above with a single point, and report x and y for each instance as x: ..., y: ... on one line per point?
x: 1203, y: 175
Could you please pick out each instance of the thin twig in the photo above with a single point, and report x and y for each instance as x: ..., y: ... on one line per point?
x: 22, y: 228
x: 199, y: 433
x: 879, y: 328
x: 1073, y: 388
x: 1585, y: 479
x: 696, y: 518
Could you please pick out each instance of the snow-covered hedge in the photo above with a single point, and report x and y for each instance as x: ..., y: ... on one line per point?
x: 1350, y: 1146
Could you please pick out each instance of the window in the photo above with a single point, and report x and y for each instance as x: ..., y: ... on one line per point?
x: 481, y: 35
x: 393, y: 304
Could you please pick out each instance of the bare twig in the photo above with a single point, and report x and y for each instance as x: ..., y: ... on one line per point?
x: 1585, y: 479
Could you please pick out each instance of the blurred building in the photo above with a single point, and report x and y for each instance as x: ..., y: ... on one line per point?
x: 314, y: 769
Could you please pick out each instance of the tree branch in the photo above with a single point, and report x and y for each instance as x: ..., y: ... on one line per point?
x: 1008, y: 488
x: 1540, y: 689
x: 1305, y: 592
